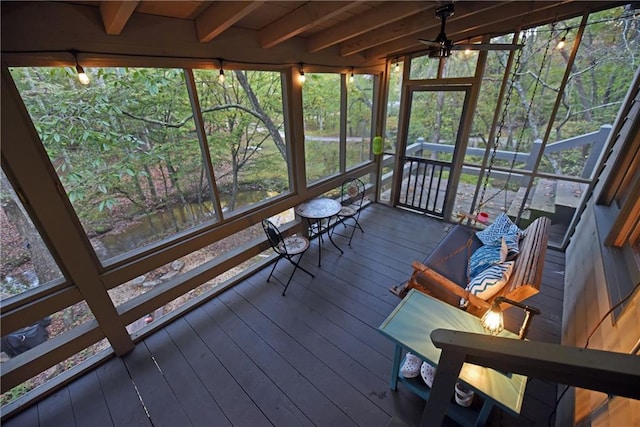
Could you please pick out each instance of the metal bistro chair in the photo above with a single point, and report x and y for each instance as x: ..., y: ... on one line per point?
x: 351, y: 198
x: 285, y: 247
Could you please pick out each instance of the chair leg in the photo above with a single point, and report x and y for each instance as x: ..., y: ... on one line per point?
x: 296, y: 266
x: 273, y: 269
x: 353, y: 230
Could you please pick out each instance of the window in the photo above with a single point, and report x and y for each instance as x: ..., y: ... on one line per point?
x: 321, y: 109
x: 25, y: 260
x: 244, y: 127
x: 125, y: 150
x: 359, y: 117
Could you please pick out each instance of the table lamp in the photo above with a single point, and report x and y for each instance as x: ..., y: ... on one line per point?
x: 493, y: 320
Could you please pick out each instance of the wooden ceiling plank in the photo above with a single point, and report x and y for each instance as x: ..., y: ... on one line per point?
x: 220, y: 16
x: 115, y: 15
x: 301, y: 19
x: 396, y: 30
x: 380, y: 16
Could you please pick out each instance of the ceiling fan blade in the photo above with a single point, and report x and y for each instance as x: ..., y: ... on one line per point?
x: 487, y: 46
x: 431, y: 43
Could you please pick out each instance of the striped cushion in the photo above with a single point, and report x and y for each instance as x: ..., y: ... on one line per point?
x: 486, y: 256
x: 500, y: 227
x: 491, y: 281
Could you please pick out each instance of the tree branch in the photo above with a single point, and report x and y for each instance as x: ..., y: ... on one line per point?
x: 184, y: 121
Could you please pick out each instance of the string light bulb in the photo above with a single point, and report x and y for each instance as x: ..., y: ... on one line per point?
x: 563, y: 40
x: 83, y: 78
x: 302, y: 77
x: 221, y: 75
x: 351, y: 77
x: 397, y: 66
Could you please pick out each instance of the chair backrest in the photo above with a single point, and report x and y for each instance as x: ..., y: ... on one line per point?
x: 352, y: 192
x: 274, y: 237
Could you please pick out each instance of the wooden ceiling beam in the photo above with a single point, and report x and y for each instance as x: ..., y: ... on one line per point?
x: 115, y: 15
x: 368, y: 21
x: 220, y: 16
x: 301, y: 19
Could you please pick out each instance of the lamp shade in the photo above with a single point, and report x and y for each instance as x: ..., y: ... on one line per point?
x: 378, y: 144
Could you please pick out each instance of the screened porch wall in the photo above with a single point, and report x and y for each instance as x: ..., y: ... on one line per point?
x: 48, y: 204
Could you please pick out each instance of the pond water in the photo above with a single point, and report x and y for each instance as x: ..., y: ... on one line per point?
x: 161, y: 224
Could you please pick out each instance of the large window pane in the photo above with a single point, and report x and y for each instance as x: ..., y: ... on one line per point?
x: 391, y: 131
x: 125, y: 150
x: 359, y: 116
x: 25, y: 260
x: 244, y: 125
x: 433, y: 123
x: 592, y: 99
x: 534, y: 94
x: 461, y: 63
x: 605, y: 63
x: 321, y: 109
x: 423, y: 67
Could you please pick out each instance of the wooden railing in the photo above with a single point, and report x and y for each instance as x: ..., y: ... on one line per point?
x: 613, y: 373
x: 597, y: 138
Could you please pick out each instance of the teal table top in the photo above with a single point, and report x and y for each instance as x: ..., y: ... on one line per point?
x: 410, y: 325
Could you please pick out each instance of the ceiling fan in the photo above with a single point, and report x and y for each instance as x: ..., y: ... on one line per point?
x: 442, y: 46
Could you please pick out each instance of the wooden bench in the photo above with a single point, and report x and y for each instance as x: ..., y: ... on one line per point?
x: 443, y: 274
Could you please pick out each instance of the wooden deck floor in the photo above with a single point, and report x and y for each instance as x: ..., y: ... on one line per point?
x: 251, y: 357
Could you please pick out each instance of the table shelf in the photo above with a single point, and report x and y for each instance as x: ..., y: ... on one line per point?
x: 466, y: 416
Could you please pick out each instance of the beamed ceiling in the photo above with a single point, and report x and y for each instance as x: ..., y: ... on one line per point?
x: 320, y: 33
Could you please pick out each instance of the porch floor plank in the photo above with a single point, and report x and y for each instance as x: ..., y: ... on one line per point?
x: 313, y: 357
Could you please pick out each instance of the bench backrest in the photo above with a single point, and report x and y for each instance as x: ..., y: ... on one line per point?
x: 526, y: 277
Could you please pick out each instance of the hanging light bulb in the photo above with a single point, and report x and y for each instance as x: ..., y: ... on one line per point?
x: 397, y: 67
x: 351, y: 77
x: 302, y: 77
x: 83, y: 78
x: 221, y: 75
x: 562, y: 41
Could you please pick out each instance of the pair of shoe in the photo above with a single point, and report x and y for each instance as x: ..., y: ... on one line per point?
x: 414, y: 366
x: 463, y: 395
x: 411, y: 366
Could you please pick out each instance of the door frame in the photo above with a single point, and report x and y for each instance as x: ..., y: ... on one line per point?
x: 461, y: 138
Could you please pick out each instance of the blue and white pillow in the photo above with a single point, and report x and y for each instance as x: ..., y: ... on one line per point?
x: 513, y: 245
x: 502, y: 226
x: 491, y: 281
x: 486, y: 256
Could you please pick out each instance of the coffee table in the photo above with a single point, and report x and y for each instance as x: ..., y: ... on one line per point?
x: 409, y: 326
